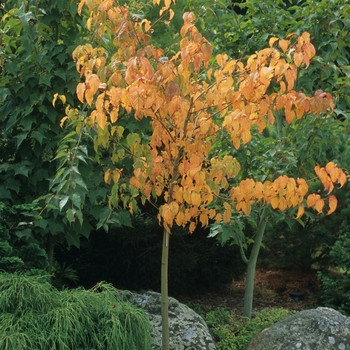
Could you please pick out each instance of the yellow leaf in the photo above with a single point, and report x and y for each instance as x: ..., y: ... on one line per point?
x: 282, y: 205
x: 80, y: 6
x: 221, y: 60
x: 227, y: 215
x: 303, y: 187
x: 342, y: 179
x: 284, y: 44
x: 147, y: 24
x: 55, y: 96
x: 89, y: 96
x: 332, y: 202
x: 187, y: 197
x: 244, y: 207
x: 61, y: 97
x: 330, y: 166
x: 192, y: 227
x: 62, y: 121
x: 92, y: 83
x: 113, y: 114
x: 300, y: 212
x: 167, y: 214
x: 167, y: 3
x: 108, y: 176
x: 218, y: 217
x: 309, y: 50
x: 298, y: 58
x: 319, y: 205
x: 203, y: 218
x: 272, y: 41
x: 274, y: 202
x: 101, y: 120
x: 196, y: 198
x: 174, y: 208
x: 116, y: 175
x: 180, y: 218
x: 312, y: 199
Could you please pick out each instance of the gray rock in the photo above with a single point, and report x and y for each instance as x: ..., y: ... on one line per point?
x: 317, y: 329
x: 187, y: 329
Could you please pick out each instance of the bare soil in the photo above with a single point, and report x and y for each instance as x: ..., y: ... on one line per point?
x: 272, y: 289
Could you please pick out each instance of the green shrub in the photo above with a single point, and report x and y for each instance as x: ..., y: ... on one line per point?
x: 19, y: 251
x: 34, y: 315
x: 335, y: 282
x: 234, y: 332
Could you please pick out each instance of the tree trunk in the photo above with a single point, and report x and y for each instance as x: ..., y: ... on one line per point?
x: 249, y: 285
x: 164, y: 292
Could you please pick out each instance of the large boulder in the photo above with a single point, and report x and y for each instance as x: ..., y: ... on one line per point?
x: 318, y: 329
x: 188, y: 331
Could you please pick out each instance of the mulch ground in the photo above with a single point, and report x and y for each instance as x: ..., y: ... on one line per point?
x: 272, y: 289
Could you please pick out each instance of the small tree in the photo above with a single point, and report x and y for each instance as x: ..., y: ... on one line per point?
x: 188, y: 98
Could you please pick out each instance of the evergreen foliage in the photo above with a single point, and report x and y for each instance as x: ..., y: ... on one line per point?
x: 335, y: 282
x: 34, y: 315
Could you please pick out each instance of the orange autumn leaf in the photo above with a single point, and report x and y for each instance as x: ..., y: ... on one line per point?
x: 192, y: 227
x: 332, y: 203
x: 81, y: 87
x: 300, y: 212
x: 272, y: 41
x: 167, y: 214
x: 179, y: 219
x: 312, y: 199
x: 284, y: 44
x: 298, y: 58
x: 319, y: 205
x: 190, y: 99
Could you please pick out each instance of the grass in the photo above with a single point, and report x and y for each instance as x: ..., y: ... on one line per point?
x: 233, y: 332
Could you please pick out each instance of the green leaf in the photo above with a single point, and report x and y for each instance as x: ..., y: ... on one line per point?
x: 70, y: 214
x: 41, y: 223
x: 13, y: 184
x: 61, y: 185
x: 131, y: 139
x: 72, y: 239
x: 80, y: 157
x: 5, y: 193
x: 38, y: 136
x: 76, y: 199
x: 11, y: 68
x: 19, y: 138
x: 22, y: 170
x: 27, y: 232
x: 301, y: 222
x: 63, y: 202
x: 79, y: 216
x: 62, y: 154
x: 25, y: 17
x: 45, y: 79
x: 81, y: 183
x: 124, y: 218
x: 72, y: 136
